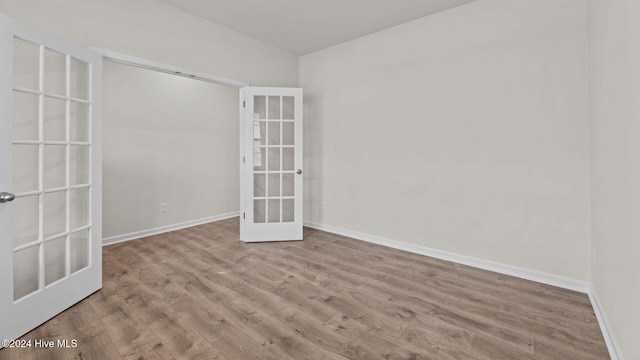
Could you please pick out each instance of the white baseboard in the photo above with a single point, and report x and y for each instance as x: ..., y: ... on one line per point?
x: 607, y: 333
x: 533, y: 275
x: 167, y: 228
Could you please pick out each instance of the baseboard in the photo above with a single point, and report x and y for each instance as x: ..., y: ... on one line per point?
x: 607, y: 333
x: 533, y: 275
x: 167, y: 228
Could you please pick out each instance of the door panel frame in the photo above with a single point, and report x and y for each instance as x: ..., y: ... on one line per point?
x: 250, y: 232
x: 19, y: 317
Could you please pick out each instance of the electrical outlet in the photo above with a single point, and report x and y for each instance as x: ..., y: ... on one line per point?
x: 164, y: 207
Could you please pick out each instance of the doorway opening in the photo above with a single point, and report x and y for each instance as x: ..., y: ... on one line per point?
x: 170, y: 150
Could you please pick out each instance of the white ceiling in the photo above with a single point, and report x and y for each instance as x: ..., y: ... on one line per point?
x: 304, y: 26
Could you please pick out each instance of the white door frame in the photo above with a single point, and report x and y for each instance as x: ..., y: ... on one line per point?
x: 167, y: 68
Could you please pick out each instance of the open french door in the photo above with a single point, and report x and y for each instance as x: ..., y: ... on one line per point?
x: 50, y: 182
x: 270, y: 164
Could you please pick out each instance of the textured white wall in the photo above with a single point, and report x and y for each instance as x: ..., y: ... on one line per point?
x: 466, y: 131
x: 615, y: 109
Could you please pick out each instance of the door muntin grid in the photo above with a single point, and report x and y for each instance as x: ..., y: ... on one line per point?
x: 51, y: 167
x: 273, y: 159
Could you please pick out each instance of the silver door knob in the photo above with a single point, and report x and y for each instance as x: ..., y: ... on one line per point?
x: 299, y: 171
x: 5, y: 196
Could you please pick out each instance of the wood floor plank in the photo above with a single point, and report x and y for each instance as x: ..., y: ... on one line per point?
x: 327, y: 337
x: 211, y: 354
x: 443, y: 343
x: 125, y: 328
x: 236, y: 305
x: 472, y: 305
x: 452, y: 279
x: 93, y: 343
x: 568, y: 297
x: 498, y: 333
x: 486, y: 348
x: 200, y: 293
x: 229, y: 338
x: 277, y: 337
x: 548, y: 323
x: 552, y: 347
x: 177, y: 336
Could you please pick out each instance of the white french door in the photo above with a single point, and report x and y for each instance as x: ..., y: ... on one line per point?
x: 270, y: 164
x: 50, y: 183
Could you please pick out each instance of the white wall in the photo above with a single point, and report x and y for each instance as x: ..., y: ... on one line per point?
x: 466, y: 131
x: 615, y: 110
x: 149, y: 144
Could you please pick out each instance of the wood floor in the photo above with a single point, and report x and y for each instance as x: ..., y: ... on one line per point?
x: 200, y: 293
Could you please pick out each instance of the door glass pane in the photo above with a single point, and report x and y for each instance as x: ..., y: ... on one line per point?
x: 79, y: 250
x: 54, y: 213
x: 287, y: 185
x: 274, y: 107
x: 55, y: 168
x: 274, y: 133
x: 25, y: 220
x: 259, y: 211
x: 287, y: 210
x: 274, y: 210
x: 55, y: 119
x: 259, y: 133
x: 55, y: 81
x: 274, y: 158
x: 26, y: 65
x: 79, y: 122
x: 25, y: 272
x: 79, y: 79
x: 79, y: 165
x: 274, y: 185
x: 24, y: 168
x: 288, y: 107
x: 288, y: 159
x: 259, y: 158
x: 259, y: 185
x: 259, y: 107
x: 54, y: 260
x: 25, y: 116
x: 288, y: 133
x: 79, y: 206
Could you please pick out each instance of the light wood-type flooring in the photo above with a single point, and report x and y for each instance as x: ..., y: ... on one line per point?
x: 200, y: 293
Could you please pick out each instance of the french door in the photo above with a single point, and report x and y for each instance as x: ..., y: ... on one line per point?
x: 50, y: 191
x: 270, y: 164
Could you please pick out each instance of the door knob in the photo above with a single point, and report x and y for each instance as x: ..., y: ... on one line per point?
x: 5, y: 196
x: 299, y: 171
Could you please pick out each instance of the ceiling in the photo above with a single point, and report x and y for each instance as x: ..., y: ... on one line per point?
x: 304, y: 26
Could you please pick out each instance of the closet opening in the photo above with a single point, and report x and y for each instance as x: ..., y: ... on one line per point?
x: 170, y: 147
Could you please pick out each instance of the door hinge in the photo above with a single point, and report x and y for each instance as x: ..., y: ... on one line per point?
x: 244, y: 216
x: 243, y: 160
x: 244, y: 104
